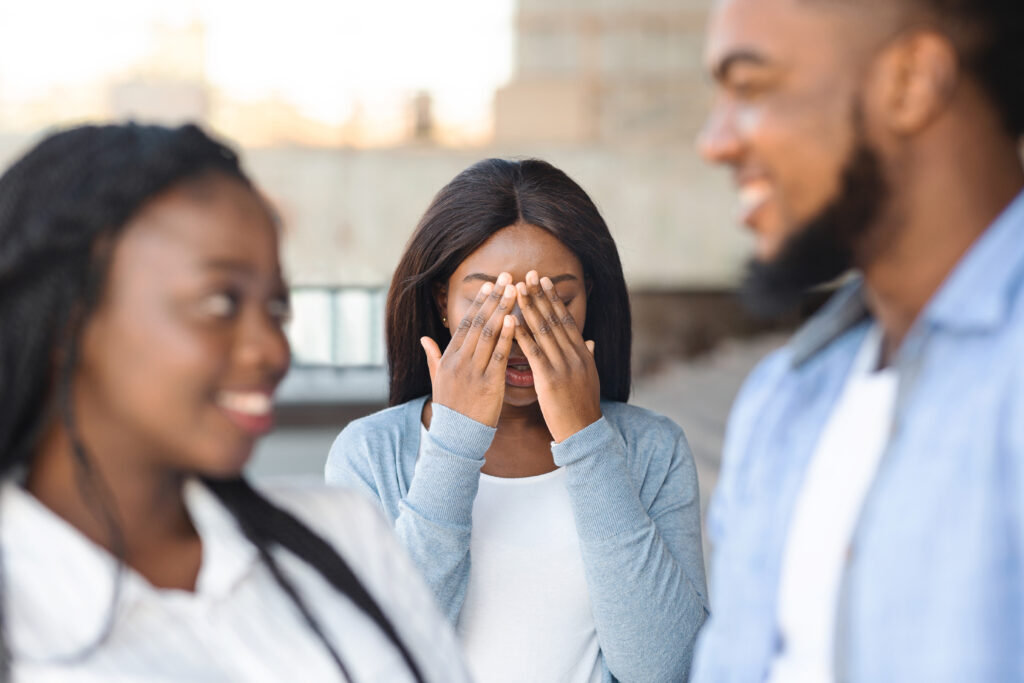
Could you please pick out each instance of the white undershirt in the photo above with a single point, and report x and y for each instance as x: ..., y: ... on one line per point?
x: 527, y: 614
x: 824, y: 517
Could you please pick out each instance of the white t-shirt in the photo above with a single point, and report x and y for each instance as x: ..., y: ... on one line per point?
x: 238, y: 625
x: 826, y: 511
x: 527, y: 614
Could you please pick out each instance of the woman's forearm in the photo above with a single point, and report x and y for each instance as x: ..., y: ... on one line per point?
x: 644, y: 574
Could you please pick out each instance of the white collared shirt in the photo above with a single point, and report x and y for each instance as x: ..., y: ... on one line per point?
x: 238, y: 625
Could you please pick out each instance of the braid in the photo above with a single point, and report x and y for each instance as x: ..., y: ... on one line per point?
x: 264, y: 524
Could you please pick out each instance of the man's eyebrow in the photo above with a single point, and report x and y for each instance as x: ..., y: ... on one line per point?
x: 720, y: 71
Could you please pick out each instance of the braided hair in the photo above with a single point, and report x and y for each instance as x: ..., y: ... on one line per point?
x: 62, y: 207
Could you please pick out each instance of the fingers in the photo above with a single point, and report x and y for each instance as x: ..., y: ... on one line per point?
x: 539, y: 317
x: 531, y: 349
x: 433, y: 354
x: 498, y: 360
x: 459, y: 338
x: 566, y: 323
x: 481, y: 326
x: 490, y: 332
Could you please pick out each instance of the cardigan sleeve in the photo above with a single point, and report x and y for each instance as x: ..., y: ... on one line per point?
x: 434, y: 517
x: 644, y: 565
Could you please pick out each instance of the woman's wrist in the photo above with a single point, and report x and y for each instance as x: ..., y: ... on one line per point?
x: 459, y: 433
x: 564, y: 429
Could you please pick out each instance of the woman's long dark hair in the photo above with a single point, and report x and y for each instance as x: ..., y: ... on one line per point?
x: 62, y: 207
x: 486, y: 197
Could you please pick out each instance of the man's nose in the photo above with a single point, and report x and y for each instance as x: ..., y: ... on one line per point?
x: 718, y: 141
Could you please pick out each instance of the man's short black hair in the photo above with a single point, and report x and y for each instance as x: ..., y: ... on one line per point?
x: 989, y: 35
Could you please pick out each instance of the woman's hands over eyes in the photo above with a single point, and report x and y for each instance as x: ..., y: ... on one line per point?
x: 564, y: 373
x: 469, y: 377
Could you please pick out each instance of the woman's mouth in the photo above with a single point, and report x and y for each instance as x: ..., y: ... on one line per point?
x: 252, y: 411
x: 518, y: 373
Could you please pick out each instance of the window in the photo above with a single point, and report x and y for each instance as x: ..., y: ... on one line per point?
x: 337, y: 326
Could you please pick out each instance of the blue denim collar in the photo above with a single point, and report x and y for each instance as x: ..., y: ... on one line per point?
x: 842, y: 312
x: 977, y: 295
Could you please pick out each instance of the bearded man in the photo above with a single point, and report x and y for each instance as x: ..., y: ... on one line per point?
x: 869, y: 520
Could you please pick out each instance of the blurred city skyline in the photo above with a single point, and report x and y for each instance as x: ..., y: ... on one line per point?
x: 351, y: 115
x: 311, y: 73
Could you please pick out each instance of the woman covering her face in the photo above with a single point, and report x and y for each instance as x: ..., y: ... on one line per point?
x: 142, y: 304
x: 558, y: 526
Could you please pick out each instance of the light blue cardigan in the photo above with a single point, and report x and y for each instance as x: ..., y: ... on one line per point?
x: 633, y: 488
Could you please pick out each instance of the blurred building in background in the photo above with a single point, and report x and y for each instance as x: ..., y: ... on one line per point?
x: 611, y: 91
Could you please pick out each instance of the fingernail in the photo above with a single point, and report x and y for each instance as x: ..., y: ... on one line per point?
x: 521, y: 288
x: 504, y: 279
x: 509, y: 321
x: 531, y: 277
x: 545, y: 282
x: 510, y: 291
x: 486, y: 289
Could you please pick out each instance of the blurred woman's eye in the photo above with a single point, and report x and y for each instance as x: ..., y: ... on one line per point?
x: 280, y: 309
x: 220, y: 304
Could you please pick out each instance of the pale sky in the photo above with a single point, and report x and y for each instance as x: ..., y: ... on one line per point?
x: 322, y: 56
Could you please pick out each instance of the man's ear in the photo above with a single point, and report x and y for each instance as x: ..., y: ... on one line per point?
x: 914, y: 81
x: 440, y: 291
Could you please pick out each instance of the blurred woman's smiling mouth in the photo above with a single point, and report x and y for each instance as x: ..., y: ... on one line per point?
x: 252, y: 411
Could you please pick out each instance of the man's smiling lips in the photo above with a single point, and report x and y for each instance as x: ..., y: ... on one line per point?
x: 753, y: 194
x: 251, y: 410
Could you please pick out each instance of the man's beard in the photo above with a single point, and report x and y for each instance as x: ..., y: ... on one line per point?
x: 828, y: 245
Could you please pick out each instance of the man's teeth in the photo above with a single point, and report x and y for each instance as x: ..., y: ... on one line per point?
x: 250, y: 403
x: 753, y: 194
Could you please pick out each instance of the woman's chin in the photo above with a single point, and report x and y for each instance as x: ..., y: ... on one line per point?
x: 226, y: 463
x: 520, y: 396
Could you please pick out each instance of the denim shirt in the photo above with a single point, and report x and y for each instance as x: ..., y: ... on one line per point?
x: 933, y: 586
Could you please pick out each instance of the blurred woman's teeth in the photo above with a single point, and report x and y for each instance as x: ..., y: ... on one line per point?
x: 249, y: 403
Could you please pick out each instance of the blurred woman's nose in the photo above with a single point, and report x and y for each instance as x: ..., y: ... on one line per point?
x: 718, y: 141
x: 264, y: 344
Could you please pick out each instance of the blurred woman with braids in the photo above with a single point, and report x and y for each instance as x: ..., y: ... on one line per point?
x: 141, y: 312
